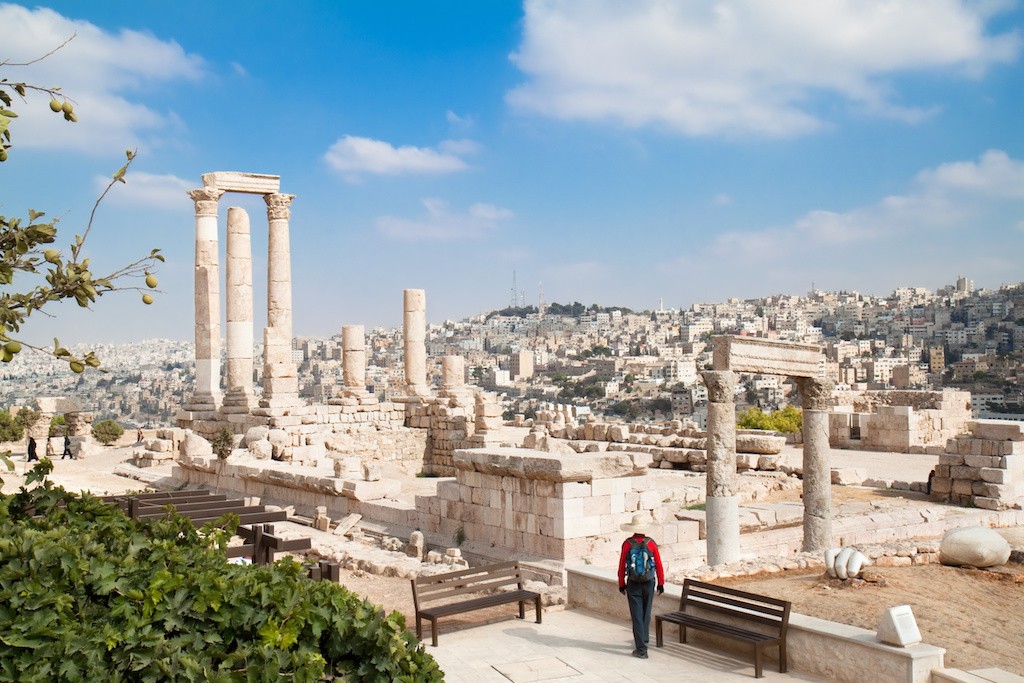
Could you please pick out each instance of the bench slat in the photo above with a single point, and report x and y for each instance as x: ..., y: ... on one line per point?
x: 477, y: 603
x: 450, y: 576
x: 717, y: 627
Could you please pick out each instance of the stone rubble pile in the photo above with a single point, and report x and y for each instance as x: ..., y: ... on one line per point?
x: 983, y: 468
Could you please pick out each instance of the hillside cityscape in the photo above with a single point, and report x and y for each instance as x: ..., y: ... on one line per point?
x: 639, y: 365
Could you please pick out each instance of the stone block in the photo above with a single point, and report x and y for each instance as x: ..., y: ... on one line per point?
x: 963, y: 487
x: 964, y: 472
x: 575, y: 528
x: 951, y: 459
x: 941, y: 485
x: 848, y: 476
x: 981, y: 461
x: 997, y: 430
x: 233, y: 181
x: 995, y: 475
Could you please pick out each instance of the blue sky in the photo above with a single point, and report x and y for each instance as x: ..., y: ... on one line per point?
x: 619, y: 153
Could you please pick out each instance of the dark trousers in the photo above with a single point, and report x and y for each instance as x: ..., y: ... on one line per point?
x: 641, y: 601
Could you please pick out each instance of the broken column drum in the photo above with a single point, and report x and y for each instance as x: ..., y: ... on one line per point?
x: 353, y: 353
x: 816, y: 396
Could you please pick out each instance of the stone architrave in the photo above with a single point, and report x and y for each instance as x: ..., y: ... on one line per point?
x: 250, y: 183
x: 816, y: 398
x: 207, y: 392
x: 415, y: 336
x: 353, y: 359
x: 280, y: 376
x: 239, y: 311
x: 722, y: 504
x: 765, y: 356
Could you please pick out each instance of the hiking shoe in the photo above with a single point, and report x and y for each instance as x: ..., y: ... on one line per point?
x: 641, y: 654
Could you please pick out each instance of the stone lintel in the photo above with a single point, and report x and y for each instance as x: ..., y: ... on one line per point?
x: 234, y: 181
x: 766, y: 356
x: 525, y: 463
x: 58, y: 405
x: 995, y: 430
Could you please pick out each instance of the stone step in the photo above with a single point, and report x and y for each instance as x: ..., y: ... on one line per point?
x: 976, y: 676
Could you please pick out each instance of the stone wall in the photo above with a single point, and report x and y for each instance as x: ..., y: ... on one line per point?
x: 542, y: 505
x: 900, y: 421
x: 983, y: 468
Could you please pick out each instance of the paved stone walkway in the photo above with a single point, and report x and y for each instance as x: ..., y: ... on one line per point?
x: 573, y: 646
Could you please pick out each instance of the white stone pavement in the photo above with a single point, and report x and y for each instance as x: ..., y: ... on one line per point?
x: 574, y: 646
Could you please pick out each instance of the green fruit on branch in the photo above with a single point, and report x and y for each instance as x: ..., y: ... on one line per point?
x: 6, y: 356
x: 67, y: 107
x: 55, y: 105
x: 151, y: 281
x: 76, y: 366
x: 12, y: 347
x: 147, y: 299
x: 52, y: 256
x: 3, y: 154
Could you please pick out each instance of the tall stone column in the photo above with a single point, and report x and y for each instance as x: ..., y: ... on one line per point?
x: 239, y: 313
x: 353, y: 359
x: 415, y: 336
x: 722, y: 504
x: 280, y: 376
x: 816, y: 397
x: 207, y: 392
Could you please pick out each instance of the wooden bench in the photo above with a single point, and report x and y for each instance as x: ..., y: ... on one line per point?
x: 769, y: 614
x: 456, y: 593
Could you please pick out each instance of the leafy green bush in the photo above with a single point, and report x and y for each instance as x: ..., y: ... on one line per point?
x: 57, y: 425
x: 88, y: 594
x: 107, y: 432
x: 789, y: 420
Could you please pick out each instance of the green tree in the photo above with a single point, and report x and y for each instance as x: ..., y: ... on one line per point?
x: 107, y: 432
x: 57, y: 425
x: 223, y: 443
x: 10, y: 428
x: 24, y: 244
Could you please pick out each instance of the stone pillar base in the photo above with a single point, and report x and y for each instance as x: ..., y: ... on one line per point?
x: 281, y: 402
x: 723, y: 529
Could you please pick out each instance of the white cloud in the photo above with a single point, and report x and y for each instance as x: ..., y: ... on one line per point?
x: 441, y: 223
x: 148, y: 190
x: 353, y: 156
x: 459, y: 121
x: 742, y: 66
x: 103, y: 73
x: 721, y: 199
x: 952, y: 214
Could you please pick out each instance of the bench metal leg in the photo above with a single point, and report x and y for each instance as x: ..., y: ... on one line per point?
x: 758, y: 672
x: 538, y: 608
x: 522, y: 609
x: 419, y: 627
x: 782, y: 657
x: 682, y: 633
x: 433, y: 632
x: 657, y: 632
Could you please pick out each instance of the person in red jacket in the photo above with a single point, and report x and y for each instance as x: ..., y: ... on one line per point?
x: 640, y: 574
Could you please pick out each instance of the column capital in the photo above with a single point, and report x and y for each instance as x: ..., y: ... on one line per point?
x: 206, y: 200
x: 815, y: 392
x: 277, y: 205
x: 720, y: 385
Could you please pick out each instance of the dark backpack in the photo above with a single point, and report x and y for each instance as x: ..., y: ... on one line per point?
x: 640, y: 561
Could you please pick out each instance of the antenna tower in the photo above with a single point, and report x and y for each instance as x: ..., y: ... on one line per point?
x: 515, y: 291
x: 540, y: 300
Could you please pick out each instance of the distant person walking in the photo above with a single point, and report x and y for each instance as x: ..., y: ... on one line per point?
x: 640, y: 574
x: 67, y: 448
x: 51, y: 453
x: 138, y: 435
x: 32, y: 455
